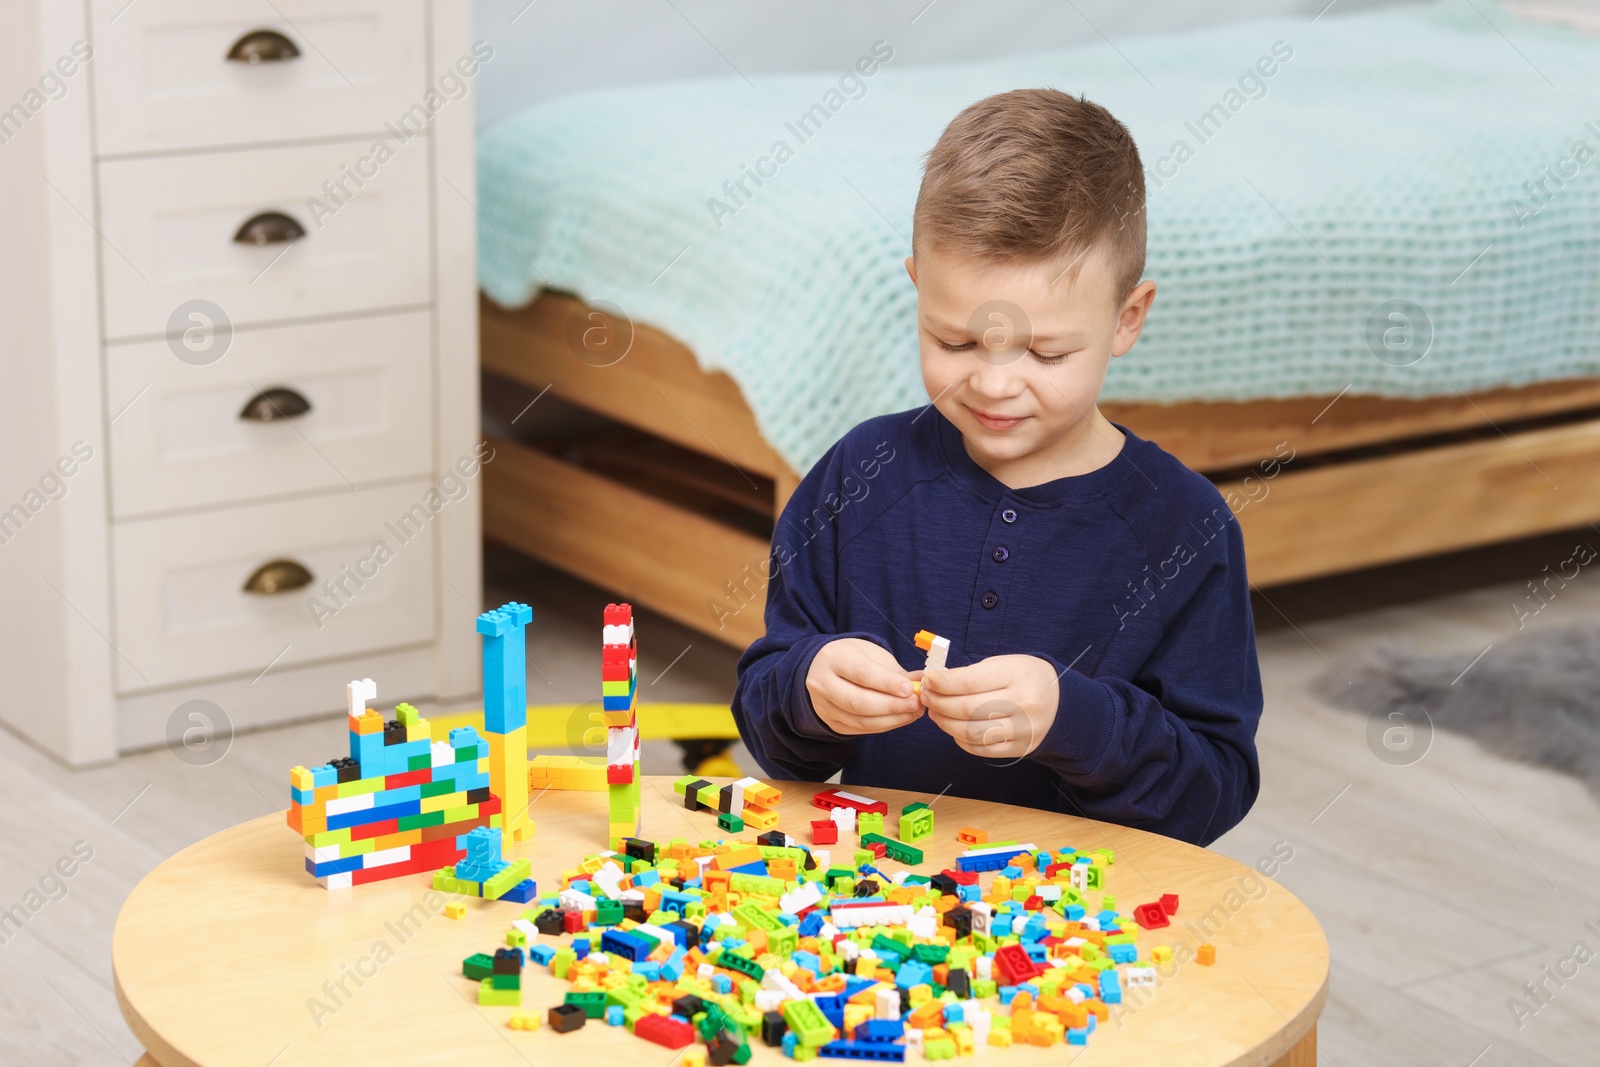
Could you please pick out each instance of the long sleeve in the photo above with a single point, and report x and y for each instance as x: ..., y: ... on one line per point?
x: 771, y: 703
x: 1173, y: 749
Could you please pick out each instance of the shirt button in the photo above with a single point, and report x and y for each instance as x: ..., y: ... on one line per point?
x: 1001, y: 555
x: 1009, y: 514
x: 990, y: 599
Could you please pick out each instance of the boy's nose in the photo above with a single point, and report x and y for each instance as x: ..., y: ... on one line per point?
x: 996, y: 379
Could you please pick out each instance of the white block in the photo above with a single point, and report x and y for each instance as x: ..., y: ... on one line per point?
x: 854, y: 798
x: 341, y: 805
x: 617, y: 634
x: 359, y: 692
x: 983, y: 967
x: 808, y: 895
x: 384, y: 857
x: 888, y: 1006
x: 347, y: 880
x: 441, y: 754
x: 937, y: 654
x: 621, y: 741
x: 769, y: 1000
x: 608, y: 879
x: 844, y: 818
x: 1139, y: 977
x: 528, y: 930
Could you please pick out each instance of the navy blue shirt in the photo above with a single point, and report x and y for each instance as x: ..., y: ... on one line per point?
x: 1128, y: 580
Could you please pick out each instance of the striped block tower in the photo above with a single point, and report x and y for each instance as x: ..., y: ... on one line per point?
x: 751, y: 799
x: 402, y: 803
x: 505, y: 711
x: 619, y: 685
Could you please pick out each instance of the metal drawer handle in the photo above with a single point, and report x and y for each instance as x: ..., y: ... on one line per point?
x: 279, y: 402
x: 277, y: 576
x: 269, y: 228
x: 263, y: 46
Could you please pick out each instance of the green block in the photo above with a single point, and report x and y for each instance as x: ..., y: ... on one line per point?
x: 608, y: 912
x: 741, y: 1055
x: 983, y: 988
x: 593, y: 1004
x: 930, y: 953
x: 500, y: 884
x: 730, y: 823
x: 897, y: 850
x: 445, y: 881
x: 916, y: 825
x: 417, y: 822
x: 783, y: 942
x: 755, y: 917
x: 491, y: 996
x: 734, y: 962
x: 505, y: 981
x: 811, y: 1028
x: 420, y: 762
x: 756, y: 883
x: 869, y: 822
x: 478, y: 966
x: 835, y: 873
x: 439, y: 789
x: 565, y: 957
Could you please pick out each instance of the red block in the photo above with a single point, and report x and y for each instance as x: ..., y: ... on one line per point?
x: 374, y: 829
x: 1150, y: 916
x: 400, y: 781
x: 572, y: 923
x: 1169, y: 903
x: 829, y: 799
x: 877, y: 848
x: 664, y: 1030
x: 961, y: 877
x: 619, y: 775
x: 1033, y: 903
x: 1014, y: 965
x: 489, y: 807
x: 824, y: 832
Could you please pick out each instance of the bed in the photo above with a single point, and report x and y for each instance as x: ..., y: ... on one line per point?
x: 1370, y: 333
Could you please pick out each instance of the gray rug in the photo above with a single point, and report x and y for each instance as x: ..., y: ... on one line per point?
x: 1534, y: 697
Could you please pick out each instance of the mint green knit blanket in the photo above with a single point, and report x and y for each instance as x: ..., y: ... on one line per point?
x: 1406, y: 205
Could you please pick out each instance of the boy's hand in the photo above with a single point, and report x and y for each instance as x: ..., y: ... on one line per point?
x: 858, y: 688
x: 997, y: 708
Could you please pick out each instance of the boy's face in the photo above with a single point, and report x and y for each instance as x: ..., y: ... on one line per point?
x: 1014, y: 356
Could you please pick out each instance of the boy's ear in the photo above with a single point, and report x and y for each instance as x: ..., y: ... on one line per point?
x: 911, y: 268
x: 1130, y: 320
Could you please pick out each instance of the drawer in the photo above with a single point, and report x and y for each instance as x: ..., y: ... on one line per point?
x: 163, y: 79
x: 171, y: 224
x: 184, y: 435
x: 182, y: 612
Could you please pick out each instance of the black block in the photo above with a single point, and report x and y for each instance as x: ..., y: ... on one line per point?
x: 478, y: 796
x: 959, y: 982
x: 773, y: 1028
x: 565, y: 1018
x: 688, y: 1006
x: 549, y: 921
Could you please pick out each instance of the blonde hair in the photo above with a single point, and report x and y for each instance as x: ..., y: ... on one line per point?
x: 1035, y: 175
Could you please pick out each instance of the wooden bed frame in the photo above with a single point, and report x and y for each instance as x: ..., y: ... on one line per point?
x: 1371, y: 480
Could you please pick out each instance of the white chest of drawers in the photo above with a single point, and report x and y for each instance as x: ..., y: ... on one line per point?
x: 239, y: 456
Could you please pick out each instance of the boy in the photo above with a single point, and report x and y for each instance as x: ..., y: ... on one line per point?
x: 1093, y: 589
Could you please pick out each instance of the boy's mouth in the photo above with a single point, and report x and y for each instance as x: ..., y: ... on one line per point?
x: 994, y: 422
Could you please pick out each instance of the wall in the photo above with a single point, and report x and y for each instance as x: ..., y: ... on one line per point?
x: 548, y: 48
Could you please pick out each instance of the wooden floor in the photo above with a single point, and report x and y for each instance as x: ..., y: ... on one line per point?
x: 1443, y: 886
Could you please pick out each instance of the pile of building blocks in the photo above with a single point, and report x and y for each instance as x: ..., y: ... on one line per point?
x: 483, y: 873
x: 749, y: 801
x: 726, y: 942
x: 401, y: 803
x: 619, y: 688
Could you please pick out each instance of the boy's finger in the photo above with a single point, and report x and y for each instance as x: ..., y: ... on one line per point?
x: 985, y: 676
x: 867, y: 703
x: 868, y: 673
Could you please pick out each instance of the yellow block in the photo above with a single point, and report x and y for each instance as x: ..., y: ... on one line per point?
x: 508, y: 780
x: 566, y: 772
x: 547, y: 723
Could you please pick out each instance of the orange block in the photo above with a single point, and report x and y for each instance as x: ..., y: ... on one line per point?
x: 931, y: 1013
x: 1206, y: 955
x: 737, y: 857
x: 968, y: 835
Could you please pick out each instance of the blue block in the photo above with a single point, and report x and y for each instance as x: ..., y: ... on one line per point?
x: 614, y: 1015
x: 644, y: 878
x: 302, y: 796
x: 1011, y: 871
x: 1077, y: 1035
x: 832, y: 1008
x: 1108, y: 920
x: 809, y: 961
x: 580, y: 945
x: 671, y: 972
x: 541, y: 954
x: 790, y: 1043
x: 859, y: 1050
x: 629, y: 946
x: 969, y: 893
x: 1123, y: 953
x: 327, y: 867
x: 811, y: 925
x: 758, y: 867
x: 370, y: 815
x: 397, y: 796
x: 1008, y: 993
x: 649, y: 970
x: 721, y: 984
x: 505, y: 667
x: 324, y: 775
x: 913, y: 972
x: 854, y: 983
x: 463, y: 736
x: 880, y: 1030
x: 1074, y: 912
x: 953, y: 1013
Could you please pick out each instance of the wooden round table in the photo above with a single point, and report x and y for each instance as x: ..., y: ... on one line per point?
x: 229, y: 953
